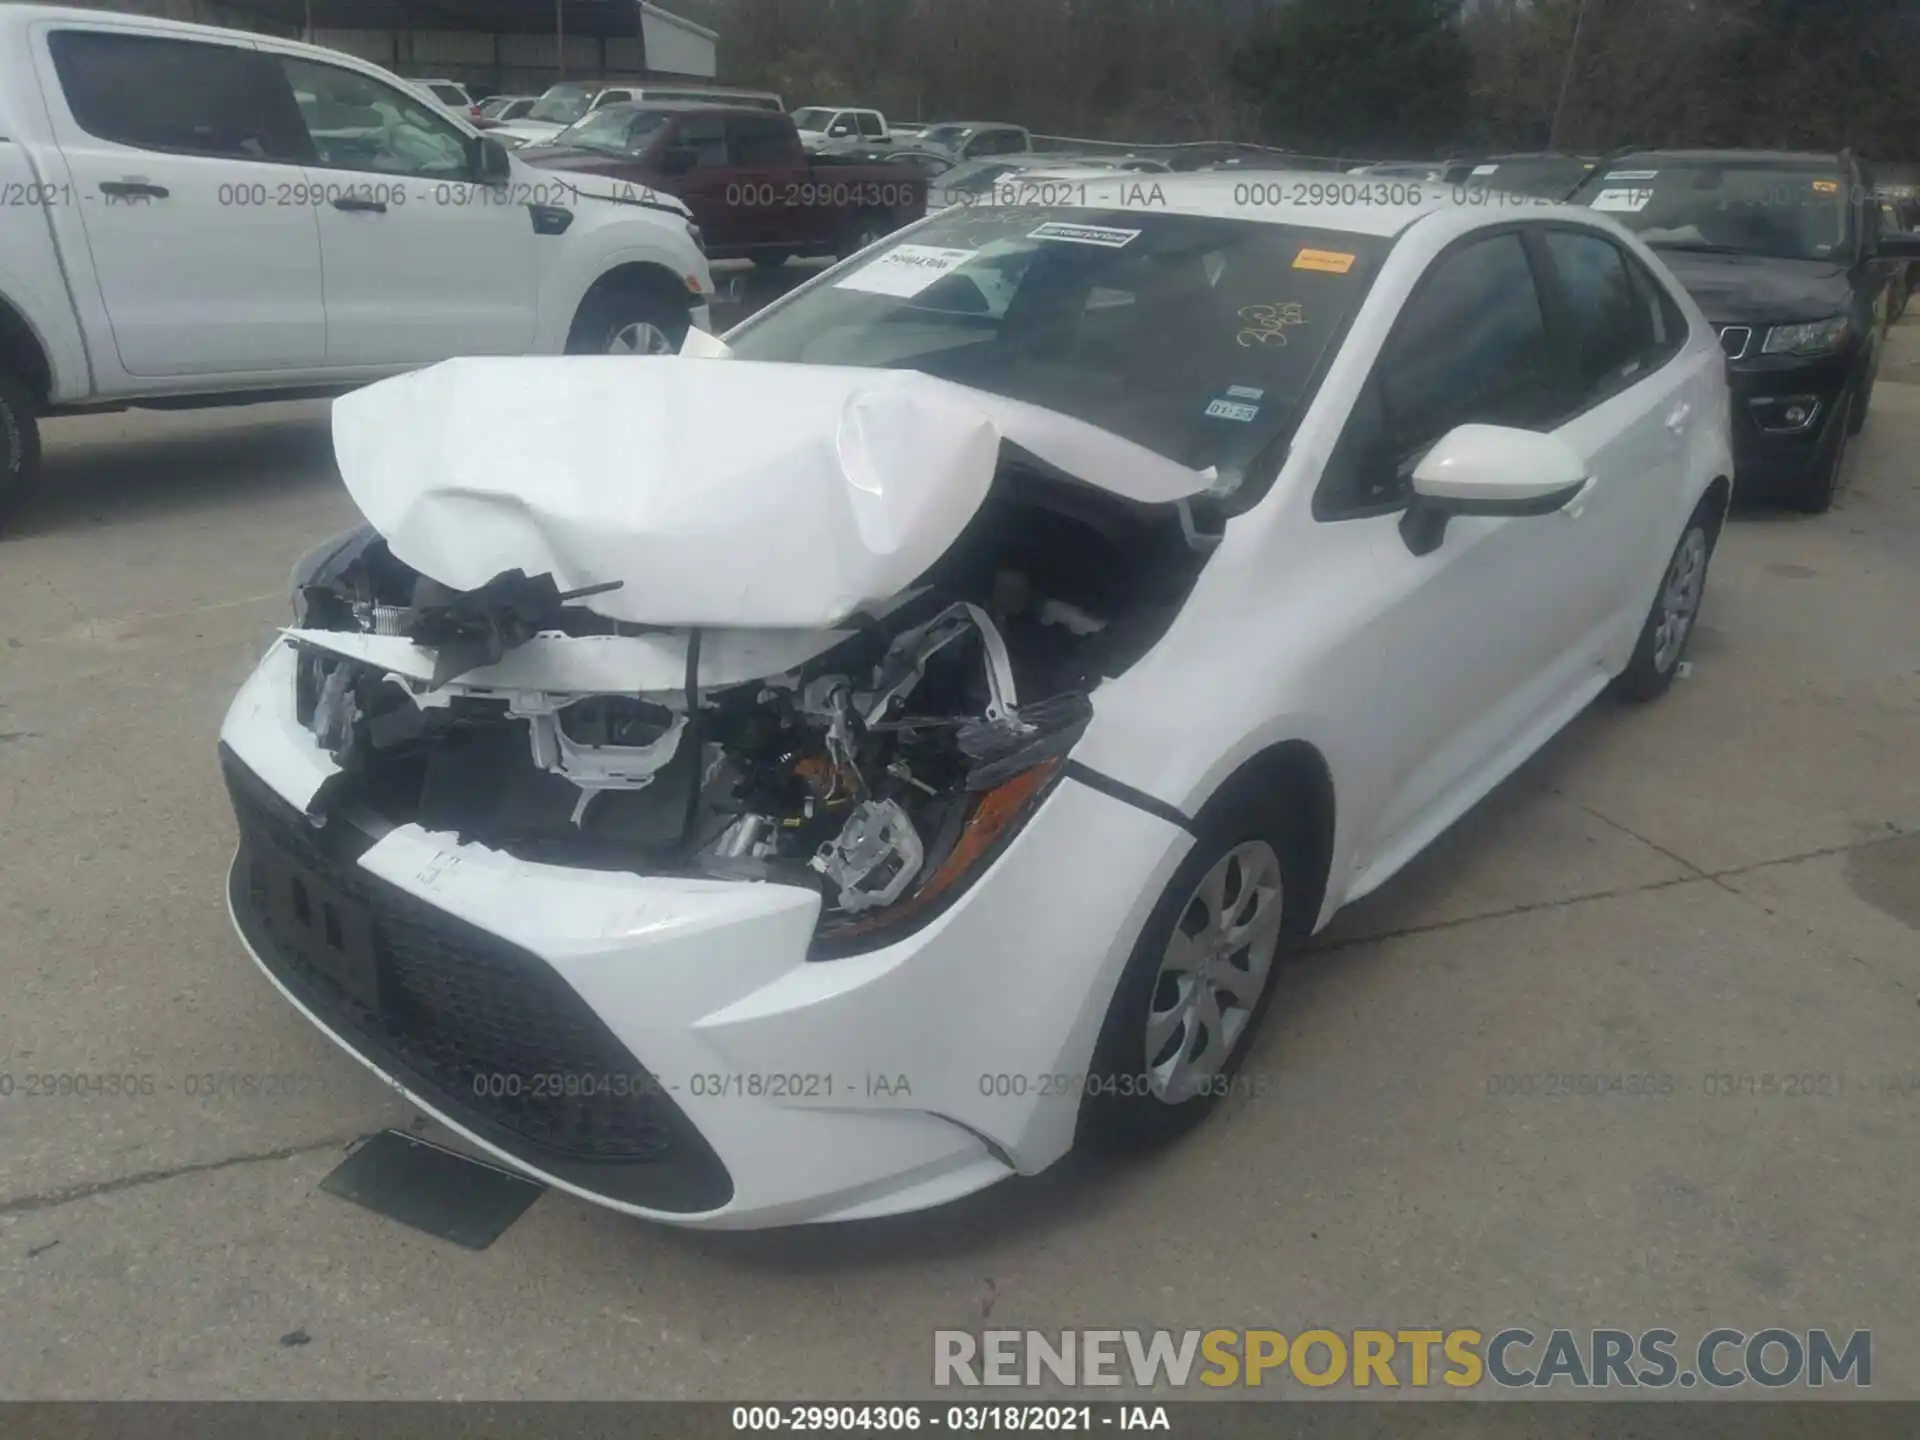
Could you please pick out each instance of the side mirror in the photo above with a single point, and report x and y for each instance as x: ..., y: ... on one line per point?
x: 1489, y: 470
x: 678, y: 159
x: 491, y: 166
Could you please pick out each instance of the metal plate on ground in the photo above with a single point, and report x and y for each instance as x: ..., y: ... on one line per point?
x: 432, y: 1188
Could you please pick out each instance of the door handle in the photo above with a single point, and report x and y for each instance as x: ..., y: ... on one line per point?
x: 1677, y: 421
x: 352, y: 202
x: 131, y: 189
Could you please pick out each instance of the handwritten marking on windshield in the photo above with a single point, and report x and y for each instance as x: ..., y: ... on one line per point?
x: 1268, y: 324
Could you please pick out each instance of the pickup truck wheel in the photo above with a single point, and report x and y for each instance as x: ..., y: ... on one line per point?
x: 869, y: 227
x: 628, y: 321
x: 19, y: 447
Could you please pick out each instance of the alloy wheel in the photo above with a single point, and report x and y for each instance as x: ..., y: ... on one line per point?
x: 1680, y: 599
x: 1217, y: 964
x: 640, y: 337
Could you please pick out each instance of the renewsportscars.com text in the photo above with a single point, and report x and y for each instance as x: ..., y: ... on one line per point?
x: 1512, y: 1358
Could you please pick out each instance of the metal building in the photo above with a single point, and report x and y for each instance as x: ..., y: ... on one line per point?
x: 515, y: 46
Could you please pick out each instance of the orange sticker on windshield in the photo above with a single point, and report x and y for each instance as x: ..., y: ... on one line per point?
x: 1826, y: 187
x: 1333, y: 262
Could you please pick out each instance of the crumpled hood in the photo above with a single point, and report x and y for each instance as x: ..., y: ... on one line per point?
x: 736, y: 493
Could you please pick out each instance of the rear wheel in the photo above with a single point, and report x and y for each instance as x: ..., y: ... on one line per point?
x: 629, y: 320
x: 19, y: 446
x: 1197, y: 984
x: 1663, y: 639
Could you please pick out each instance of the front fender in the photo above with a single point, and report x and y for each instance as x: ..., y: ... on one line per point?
x: 598, y: 254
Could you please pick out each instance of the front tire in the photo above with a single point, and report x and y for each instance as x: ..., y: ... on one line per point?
x: 19, y: 447
x: 629, y: 320
x: 1669, y: 628
x: 1197, y: 985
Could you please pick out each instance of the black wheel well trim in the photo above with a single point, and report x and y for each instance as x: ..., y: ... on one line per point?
x: 1127, y: 795
x: 648, y: 275
x: 1293, y: 774
x: 22, y: 354
x: 1717, y: 500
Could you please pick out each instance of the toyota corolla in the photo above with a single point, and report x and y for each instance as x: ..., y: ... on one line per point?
x: 824, y: 772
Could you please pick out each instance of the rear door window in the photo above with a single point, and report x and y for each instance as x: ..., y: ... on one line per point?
x: 184, y: 97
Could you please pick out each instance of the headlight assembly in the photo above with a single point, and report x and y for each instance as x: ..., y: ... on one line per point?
x: 1816, y: 337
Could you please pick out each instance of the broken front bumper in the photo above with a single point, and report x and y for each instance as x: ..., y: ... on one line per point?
x: 664, y: 1046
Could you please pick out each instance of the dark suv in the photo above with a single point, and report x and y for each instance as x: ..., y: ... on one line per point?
x: 1784, y: 253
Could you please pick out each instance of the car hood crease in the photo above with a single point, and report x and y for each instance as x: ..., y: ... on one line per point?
x: 736, y: 493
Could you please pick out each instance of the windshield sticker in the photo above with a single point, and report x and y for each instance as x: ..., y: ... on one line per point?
x: 906, y: 270
x: 1331, y: 262
x: 1231, y: 410
x: 1485, y: 169
x: 1613, y: 175
x: 1268, y: 324
x: 1085, y: 234
x: 1630, y: 201
x: 1243, y: 392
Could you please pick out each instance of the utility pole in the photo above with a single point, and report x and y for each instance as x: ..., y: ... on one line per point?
x: 1566, y: 76
x: 560, y: 37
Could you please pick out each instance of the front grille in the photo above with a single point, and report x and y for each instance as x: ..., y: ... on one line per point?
x: 1734, y: 340
x: 481, y: 1028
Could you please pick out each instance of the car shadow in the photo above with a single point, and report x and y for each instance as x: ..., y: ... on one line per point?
x: 125, y: 468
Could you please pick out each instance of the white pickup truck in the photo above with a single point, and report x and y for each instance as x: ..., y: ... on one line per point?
x: 192, y: 216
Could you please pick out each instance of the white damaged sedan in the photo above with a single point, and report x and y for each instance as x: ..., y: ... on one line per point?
x: 820, y: 774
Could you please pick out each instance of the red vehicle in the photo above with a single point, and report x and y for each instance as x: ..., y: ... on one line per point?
x: 754, y: 192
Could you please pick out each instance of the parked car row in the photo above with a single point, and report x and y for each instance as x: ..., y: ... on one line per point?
x: 570, y: 101
x: 753, y: 189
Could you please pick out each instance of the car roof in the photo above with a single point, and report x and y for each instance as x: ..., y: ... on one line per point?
x: 1731, y: 157
x: 974, y: 125
x: 685, y: 107
x: 1227, y: 196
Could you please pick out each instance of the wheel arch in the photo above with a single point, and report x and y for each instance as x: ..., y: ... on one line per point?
x: 644, y: 275
x: 1290, y: 776
x: 1716, y: 501
x: 22, y: 354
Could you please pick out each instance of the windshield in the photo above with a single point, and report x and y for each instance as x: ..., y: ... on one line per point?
x: 1550, y: 178
x: 1784, y: 211
x: 450, y: 95
x: 812, y: 118
x: 562, y: 104
x: 617, y: 130
x: 946, y: 134
x: 1199, y: 338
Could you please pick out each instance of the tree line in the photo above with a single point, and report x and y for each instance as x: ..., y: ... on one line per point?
x: 1408, y: 78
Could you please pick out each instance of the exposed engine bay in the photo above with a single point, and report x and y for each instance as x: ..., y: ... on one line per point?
x: 881, y: 771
